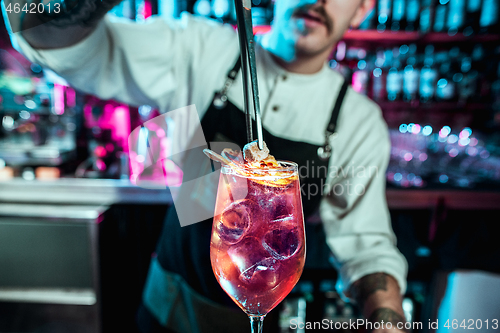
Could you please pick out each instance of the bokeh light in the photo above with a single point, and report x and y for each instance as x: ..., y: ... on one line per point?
x: 443, y: 179
x: 445, y: 131
x: 427, y: 130
x: 465, y: 133
x: 452, y: 138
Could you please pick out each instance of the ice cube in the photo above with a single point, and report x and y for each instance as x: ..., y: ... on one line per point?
x: 283, y: 241
x: 235, y: 221
x: 252, y: 152
x: 254, y: 263
x: 276, y: 206
x: 264, y: 273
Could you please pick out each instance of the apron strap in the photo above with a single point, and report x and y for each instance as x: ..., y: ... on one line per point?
x: 220, y: 97
x: 234, y: 71
x: 336, y: 109
x: 325, y: 152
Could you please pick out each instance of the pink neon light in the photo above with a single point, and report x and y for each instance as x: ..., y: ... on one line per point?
x: 121, y: 125
x: 173, y: 174
x: 258, y: 29
x: 357, y: 83
x: 147, y: 9
x: 58, y: 99
x: 100, y: 165
x: 70, y: 97
x: 160, y: 133
x: 261, y: 29
x: 100, y: 151
x: 153, y: 166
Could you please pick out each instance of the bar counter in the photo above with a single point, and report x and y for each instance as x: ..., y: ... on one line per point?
x: 80, y: 192
x: 111, y: 191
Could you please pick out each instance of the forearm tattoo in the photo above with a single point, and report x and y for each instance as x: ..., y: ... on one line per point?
x: 78, y: 12
x: 367, y: 286
x: 386, y: 315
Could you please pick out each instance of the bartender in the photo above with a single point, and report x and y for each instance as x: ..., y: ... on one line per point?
x: 309, y: 116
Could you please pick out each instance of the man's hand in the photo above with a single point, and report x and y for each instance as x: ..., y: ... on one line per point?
x: 379, y: 298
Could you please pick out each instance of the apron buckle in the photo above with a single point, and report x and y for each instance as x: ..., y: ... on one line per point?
x: 325, y: 152
x: 220, y: 100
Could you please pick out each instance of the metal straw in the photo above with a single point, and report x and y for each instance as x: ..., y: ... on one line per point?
x: 247, y: 46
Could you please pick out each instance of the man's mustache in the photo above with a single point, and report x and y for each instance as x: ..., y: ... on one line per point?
x: 320, y: 10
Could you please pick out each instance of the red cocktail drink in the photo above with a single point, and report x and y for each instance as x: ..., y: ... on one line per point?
x: 258, y: 241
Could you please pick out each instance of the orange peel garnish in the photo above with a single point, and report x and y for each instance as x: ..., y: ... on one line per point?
x: 267, y: 172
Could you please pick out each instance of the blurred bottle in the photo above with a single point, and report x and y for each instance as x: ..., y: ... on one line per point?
x: 440, y: 13
x: 221, y: 9
x: 428, y: 76
x: 339, y: 64
x: 395, y: 79
x: 489, y: 21
x: 468, y: 86
x: 383, y: 14
x: 472, y: 17
x: 456, y: 74
x: 361, y: 77
x: 412, y: 12
x: 398, y: 15
x: 411, y: 75
x: 426, y: 15
x: 379, y: 75
x: 455, y: 18
x: 446, y: 90
x: 125, y: 8
x: 202, y: 8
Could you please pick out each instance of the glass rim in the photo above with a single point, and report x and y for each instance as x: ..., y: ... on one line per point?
x: 291, y: 166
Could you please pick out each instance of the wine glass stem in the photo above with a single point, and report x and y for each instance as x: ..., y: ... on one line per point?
x: 256, y: 323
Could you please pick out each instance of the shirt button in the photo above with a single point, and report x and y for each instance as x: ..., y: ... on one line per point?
x: 276, y: 108
x: 284, y: 77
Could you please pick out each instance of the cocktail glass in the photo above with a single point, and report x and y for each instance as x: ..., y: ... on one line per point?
x: 257, y: 247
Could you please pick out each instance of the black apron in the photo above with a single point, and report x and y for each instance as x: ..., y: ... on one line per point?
x: 186, y: 250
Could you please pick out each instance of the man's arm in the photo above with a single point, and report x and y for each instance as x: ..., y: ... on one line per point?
x: 74, y: 21
x: 357, y: 220
x: 160, y: 62
x: 378, y: 296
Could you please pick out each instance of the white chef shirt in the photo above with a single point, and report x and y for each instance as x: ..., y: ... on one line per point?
x: 172, y: 63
